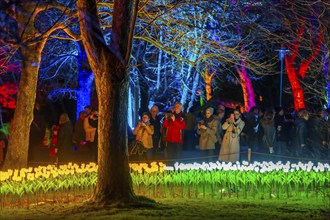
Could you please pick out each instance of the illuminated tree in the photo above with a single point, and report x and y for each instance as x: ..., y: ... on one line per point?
x: 178, y: 47
x: 26, y: 38
x: 208, y: 80
x: 248, y: 93
x: 65, y: 72
x: 294, y: 71
x: 109, y: 64
x: 8, y: 92
x: 302, y: 29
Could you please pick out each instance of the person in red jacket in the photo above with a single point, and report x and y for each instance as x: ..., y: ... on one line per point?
x: 175, y: 124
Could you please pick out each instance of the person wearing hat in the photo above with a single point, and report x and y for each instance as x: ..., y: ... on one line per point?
x: 207, y: 129
x: 230, y: 146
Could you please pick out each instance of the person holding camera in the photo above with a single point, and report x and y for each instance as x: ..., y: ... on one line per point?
x: 90, y: 127
x: 175, y: 124
x: 230, y: 145
x: 144, y: 131
x: 207, y: 129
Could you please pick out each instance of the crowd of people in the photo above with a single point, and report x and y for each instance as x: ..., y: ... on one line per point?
x: 222, y: 132
x: 63, y: 139
x: 218, y: 133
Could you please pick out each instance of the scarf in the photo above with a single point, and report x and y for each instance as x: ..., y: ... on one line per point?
x: 178, y: 115
x: 208, y: 120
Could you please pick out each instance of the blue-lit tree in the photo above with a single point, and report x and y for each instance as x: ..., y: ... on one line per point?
x: 188, y: 37
x: 65, y: 73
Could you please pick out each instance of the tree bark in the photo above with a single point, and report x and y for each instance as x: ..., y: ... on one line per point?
x: 18, y: 145
x: 114, y: 185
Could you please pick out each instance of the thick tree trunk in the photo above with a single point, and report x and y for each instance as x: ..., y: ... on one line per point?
x: 114, y: 185
x: 18, y: 145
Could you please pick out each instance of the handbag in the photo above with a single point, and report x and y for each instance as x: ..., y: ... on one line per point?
x: 136, y: 148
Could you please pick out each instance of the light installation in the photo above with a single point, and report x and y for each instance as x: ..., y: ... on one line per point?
x: 8, y: 93
x: 248, y: 93
x: 294, y: 73
x: 208, y: 80
x: 326, y: 76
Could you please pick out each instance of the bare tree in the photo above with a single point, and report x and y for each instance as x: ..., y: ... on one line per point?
x: 30, y: 42
x: 110, y: 66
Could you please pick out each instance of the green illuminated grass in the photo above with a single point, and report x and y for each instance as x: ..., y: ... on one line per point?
x: 184, y: 208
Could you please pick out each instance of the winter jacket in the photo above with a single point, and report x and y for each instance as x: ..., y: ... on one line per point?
x: 175, y: 130
x: 269, y: 137
x: 208, y: 137
x: 281, y: 127
x: 230, y: 146
x: 79, y: 133
x: 144, y: 134
x: 90, y: 131
x: 300, y: 132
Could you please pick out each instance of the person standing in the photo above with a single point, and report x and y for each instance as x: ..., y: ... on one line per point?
x: 175, y: 124
x: 144, y: 131
x: 221, y: 112
x: 269, y: 137
x: 207, y: 129
x: 230, y: 146
x: 253, y: 128
x: 300, y: 134
x: 318, y: 137
x: 155, y: 122
x: 79, y: 134
x: 90, y: 127
x: 281, y: 127
x: 64, y: 141
x: 189, y: 132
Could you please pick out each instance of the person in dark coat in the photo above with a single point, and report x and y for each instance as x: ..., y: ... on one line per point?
x: 155, y: 121
x: 90, y: 127
x: 318, y: 135
x: 64, y: 141
x: 189, y: 132
x: 79, y: 134
x: 269, y: 140
x: 253, y: 128
x: 300, y: 134
x: 282, y: 131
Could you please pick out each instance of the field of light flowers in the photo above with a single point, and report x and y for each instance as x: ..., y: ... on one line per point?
x: 156, y: 180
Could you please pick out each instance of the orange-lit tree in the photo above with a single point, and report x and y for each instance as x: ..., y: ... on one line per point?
x: 208, y: 80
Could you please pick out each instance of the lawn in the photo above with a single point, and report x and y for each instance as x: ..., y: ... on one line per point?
x: 182, y: 208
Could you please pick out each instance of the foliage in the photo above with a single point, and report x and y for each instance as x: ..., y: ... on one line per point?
x: 5, y: 129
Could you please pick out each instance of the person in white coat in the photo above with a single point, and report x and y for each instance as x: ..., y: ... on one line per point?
x: 207, y: 129
x: 230, y: 146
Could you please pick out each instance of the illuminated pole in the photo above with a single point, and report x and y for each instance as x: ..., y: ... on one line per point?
x: 282, y: 53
